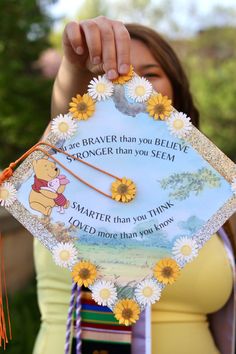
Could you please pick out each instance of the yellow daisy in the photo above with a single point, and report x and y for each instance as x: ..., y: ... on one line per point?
x: 122, y: 79
x: 123, y: 191
x: 84, y: 273
x: 82, y: 107
x: 127, y: 311
x: 159, y: 106
x: 166, y: 271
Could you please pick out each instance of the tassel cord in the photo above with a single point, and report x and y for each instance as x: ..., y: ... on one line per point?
x: 70, y: 318
x: 78, y: 322
x: 3, y: 290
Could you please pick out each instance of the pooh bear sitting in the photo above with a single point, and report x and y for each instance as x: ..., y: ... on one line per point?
x: 41, y: 199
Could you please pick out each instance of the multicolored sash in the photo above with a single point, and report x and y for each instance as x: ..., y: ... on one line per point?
x: 101, y: 333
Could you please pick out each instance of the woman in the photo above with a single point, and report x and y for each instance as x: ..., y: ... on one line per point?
x: 179, y: 321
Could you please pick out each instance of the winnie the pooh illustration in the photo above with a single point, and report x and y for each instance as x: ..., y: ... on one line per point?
x: 54, y: 186
x: 42, y: 198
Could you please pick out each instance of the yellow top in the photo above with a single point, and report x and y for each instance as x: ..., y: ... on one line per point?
x: 179, y: 322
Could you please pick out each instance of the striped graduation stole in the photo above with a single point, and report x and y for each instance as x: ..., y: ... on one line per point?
x: 101, y: 332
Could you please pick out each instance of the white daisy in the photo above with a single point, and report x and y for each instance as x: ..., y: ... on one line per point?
x: 147, y: 292
x: 233, y: 186
x: 7, y: 194
x: 185, y: 249
x: 139, y: 89
x: 65, y: 254
x: 64, y: 126
x: 179, y: 124
x: 100, y: 88
x: 104, y: 293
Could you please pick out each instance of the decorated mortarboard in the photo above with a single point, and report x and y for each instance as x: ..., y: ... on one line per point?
x: 124, y: 192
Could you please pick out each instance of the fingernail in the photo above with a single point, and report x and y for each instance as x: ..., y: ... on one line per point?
x: 112, y: 74
x: 96, y: 60
x: 80, y: 50
x: 124, y: 69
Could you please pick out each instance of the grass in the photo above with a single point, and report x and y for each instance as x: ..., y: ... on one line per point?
x: 124, y: 263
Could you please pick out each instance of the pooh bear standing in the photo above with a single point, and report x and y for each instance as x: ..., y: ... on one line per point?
x: 41, y: 199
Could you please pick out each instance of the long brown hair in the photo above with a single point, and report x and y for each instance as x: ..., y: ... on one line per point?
x: 183, y: 100
x: 170, y: 63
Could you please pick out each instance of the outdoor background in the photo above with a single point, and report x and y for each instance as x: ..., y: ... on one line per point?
x: 204, y: 36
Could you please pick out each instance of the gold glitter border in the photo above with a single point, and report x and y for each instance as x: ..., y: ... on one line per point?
x: 32, y: 224
x: 212, y: 154
x: 20, y: 213
x: 215, y: 222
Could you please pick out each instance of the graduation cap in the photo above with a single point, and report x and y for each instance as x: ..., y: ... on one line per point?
x: 124, y: 192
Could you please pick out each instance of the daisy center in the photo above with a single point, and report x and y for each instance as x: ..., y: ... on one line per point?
x: 147, y: 291
x: 105, y: 294
x: 167, y: 272
x: 178, y: 124
x: 122, y: 189
x: 186, y: 250
x: 100, y: 88
x: 139, y: 90
x: 82, y: 107
x: 84, y: 273
x: 127, y: 314
x: 4, y: 194
x: 64, y: 255
x: 159, y: 108
x: 63, y: 127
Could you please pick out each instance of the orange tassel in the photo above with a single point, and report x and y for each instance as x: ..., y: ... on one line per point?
x: 7, y: 173
x: 4, y: 331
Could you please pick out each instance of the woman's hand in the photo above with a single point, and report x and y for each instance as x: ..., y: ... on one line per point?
x: 98, y: 45
x: 90, y: 47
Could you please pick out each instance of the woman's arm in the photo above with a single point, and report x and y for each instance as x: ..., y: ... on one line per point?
x: 70, y: 81
x: 89, y: 47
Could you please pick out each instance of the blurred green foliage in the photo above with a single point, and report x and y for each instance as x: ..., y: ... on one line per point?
x: 24, y: 93
x: 210, y: 60
x: 25, y: 319
x: 87, y: 9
